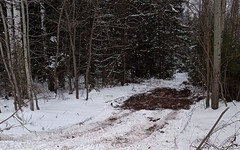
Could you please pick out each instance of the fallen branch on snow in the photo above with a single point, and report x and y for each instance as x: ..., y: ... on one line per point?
x: 209, y: 133
x: 9, y: 116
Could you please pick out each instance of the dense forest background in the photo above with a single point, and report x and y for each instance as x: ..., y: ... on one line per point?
x: 92, y: 44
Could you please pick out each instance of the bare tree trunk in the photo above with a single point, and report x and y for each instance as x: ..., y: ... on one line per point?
x: 18, y: 55
x: 74, y: 54
x: 70, y: 83
x: 17, y: 96
x: 124, y: 13
x: 9, y: 18
x: 238, y: 95
x: 207, y: 46
x: 233, y: 16
x: 123, y: 59
x: 44, y: 42
x: 57, y: 53
x: 89, y: 55
x: 10, y: 24
x: 217, y: 53
x: 8, y: 72
x: 123, y: 69
x: 33, y: 89
x: 208, y: 72
x: 44, y: 32
x: 26, y: 58
x: 73, y: 47
x: 223, y: 13
x: 17, y: 24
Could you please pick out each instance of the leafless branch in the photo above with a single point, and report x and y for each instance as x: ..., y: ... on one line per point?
x: 10, y: 116
x: 212, y: 129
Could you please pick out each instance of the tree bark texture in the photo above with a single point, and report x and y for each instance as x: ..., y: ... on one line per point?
x: 73, y: 47
x: 26, y: 57
x: 217, y: 54
x: 17, y: 96
x: 10, y: 24
x: 89, y: 56
x: 207, y: 45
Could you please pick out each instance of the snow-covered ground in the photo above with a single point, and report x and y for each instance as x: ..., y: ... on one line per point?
x: 64, y: 123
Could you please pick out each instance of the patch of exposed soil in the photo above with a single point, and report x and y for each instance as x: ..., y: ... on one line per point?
x: 160, y: 98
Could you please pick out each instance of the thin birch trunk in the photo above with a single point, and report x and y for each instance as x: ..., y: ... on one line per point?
x: 17, y: 23
x: 73, y: 47
x: 58, y: 47
x: 17, y: 96
x: 74, y: 54
x: 29, y: 58
x: 89, y: 55
x: 234, y: 16
x: 44, y: 31
x: 26, y: 57
x: 123, y: 59
x: 9, y: 8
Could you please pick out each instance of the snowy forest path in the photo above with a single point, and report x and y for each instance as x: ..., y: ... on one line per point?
x: 123, y: 129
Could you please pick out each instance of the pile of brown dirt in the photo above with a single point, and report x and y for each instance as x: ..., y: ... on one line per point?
x: 160, y: 98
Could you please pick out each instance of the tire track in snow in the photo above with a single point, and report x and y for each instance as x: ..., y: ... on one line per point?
x: 146, y: 130
x: 122, y: 129
x: 107, y: 132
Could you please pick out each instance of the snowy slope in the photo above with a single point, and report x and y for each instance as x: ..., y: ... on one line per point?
x: 66, y: 123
